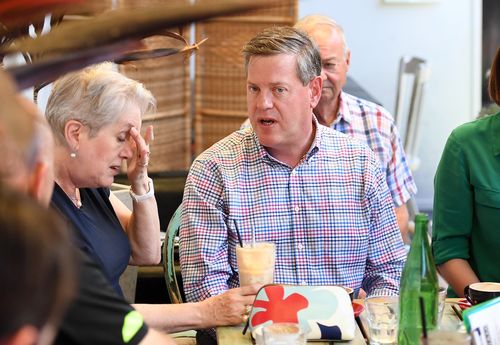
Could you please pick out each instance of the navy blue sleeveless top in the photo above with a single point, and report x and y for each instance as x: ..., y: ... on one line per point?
x: 96, y: 230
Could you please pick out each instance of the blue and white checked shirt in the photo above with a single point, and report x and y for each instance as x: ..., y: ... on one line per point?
x: 373, y: 125
x: 331, y: 217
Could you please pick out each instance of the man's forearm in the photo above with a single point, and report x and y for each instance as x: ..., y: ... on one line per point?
x: 403, y: 217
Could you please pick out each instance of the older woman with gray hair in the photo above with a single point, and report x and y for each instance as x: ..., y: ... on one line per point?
x: 96, y: 115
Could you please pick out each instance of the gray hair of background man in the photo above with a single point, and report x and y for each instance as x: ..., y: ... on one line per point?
x: 96, y: 96
x: 286, y: 40
x: 308, y: 23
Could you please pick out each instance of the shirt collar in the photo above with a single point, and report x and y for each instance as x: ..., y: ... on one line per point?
x: 344, y: 112
x: 315, y: 146
x: 495, y: 134
x: 264, y: 155
x: 311, y: 152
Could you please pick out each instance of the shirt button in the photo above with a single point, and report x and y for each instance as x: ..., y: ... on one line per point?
x: 296, y: 209
x: 300, y: 246
x: 294, y: 172
x: 303, y: 282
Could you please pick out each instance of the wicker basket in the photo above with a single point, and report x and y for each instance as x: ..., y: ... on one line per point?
x: 212, y: 126
x: 220, y: 73
x: 168, y: 79
x: 171, y: 149
x: 282, y: 11
x: 219, y: 82
x: 145, y: 3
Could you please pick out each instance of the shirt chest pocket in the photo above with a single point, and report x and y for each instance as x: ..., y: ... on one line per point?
x: 487, y: 198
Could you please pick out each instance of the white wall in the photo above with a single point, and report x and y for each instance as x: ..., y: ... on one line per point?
x: 444, y: 32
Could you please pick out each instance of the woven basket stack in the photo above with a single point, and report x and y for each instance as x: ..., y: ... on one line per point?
x: 220, y: 75
x: 168, y: 79
x: 219, y: 92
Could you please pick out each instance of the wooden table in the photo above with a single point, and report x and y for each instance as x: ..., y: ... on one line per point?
x: 232, y: 335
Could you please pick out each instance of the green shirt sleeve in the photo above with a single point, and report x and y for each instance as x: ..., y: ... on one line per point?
x: 453, y: 205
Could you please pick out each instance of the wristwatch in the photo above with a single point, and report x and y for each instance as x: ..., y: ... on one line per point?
x: 149, y: 194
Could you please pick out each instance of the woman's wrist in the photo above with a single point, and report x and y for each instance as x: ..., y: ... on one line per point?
x: 205, y: 314
x: 146, y: 191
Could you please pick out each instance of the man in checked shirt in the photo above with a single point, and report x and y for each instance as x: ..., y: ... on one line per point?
x: 356, y: 117
x: 316, y: 193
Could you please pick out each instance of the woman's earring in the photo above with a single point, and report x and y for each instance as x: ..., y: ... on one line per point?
x: 72, y: 154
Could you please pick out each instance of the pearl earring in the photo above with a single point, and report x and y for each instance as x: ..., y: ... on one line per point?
x: 72, y: 154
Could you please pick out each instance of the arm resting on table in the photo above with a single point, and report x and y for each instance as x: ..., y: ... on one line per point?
x: 458, y: 273
x: 227, y: 308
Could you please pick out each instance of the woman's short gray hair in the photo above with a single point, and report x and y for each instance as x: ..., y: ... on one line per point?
x: 95, y: 96
x: 286, y: 40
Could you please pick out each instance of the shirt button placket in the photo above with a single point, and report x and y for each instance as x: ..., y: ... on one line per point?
x: 300, y: 257
x: 301, y: 263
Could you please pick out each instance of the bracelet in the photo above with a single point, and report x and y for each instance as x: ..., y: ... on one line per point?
x: 149, y: 194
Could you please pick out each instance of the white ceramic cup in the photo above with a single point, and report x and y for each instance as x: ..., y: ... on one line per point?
x: 283, y: 334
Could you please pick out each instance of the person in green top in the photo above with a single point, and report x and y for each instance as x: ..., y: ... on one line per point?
x: 466, y: 220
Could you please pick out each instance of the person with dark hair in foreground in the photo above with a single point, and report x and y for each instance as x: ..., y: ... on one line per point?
x: 37, y: 269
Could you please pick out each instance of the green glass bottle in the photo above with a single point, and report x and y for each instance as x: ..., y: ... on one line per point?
x: 419, y: 279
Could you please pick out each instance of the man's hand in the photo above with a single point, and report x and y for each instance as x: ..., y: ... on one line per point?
x: 230, y: 307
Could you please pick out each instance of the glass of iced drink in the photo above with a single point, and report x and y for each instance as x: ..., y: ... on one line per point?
x: 256, y: 263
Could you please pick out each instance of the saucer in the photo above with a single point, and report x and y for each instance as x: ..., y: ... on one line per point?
x: 358, y: 308
x: 464, y: 304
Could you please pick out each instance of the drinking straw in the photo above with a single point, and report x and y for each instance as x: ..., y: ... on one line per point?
x: 362, y: 329
x: 238, y: 233
x: 458, y: 313
x: 424, y: 323
x: 246, y: 326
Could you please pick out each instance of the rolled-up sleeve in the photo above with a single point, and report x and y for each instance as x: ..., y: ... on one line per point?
x: 453, y: 205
